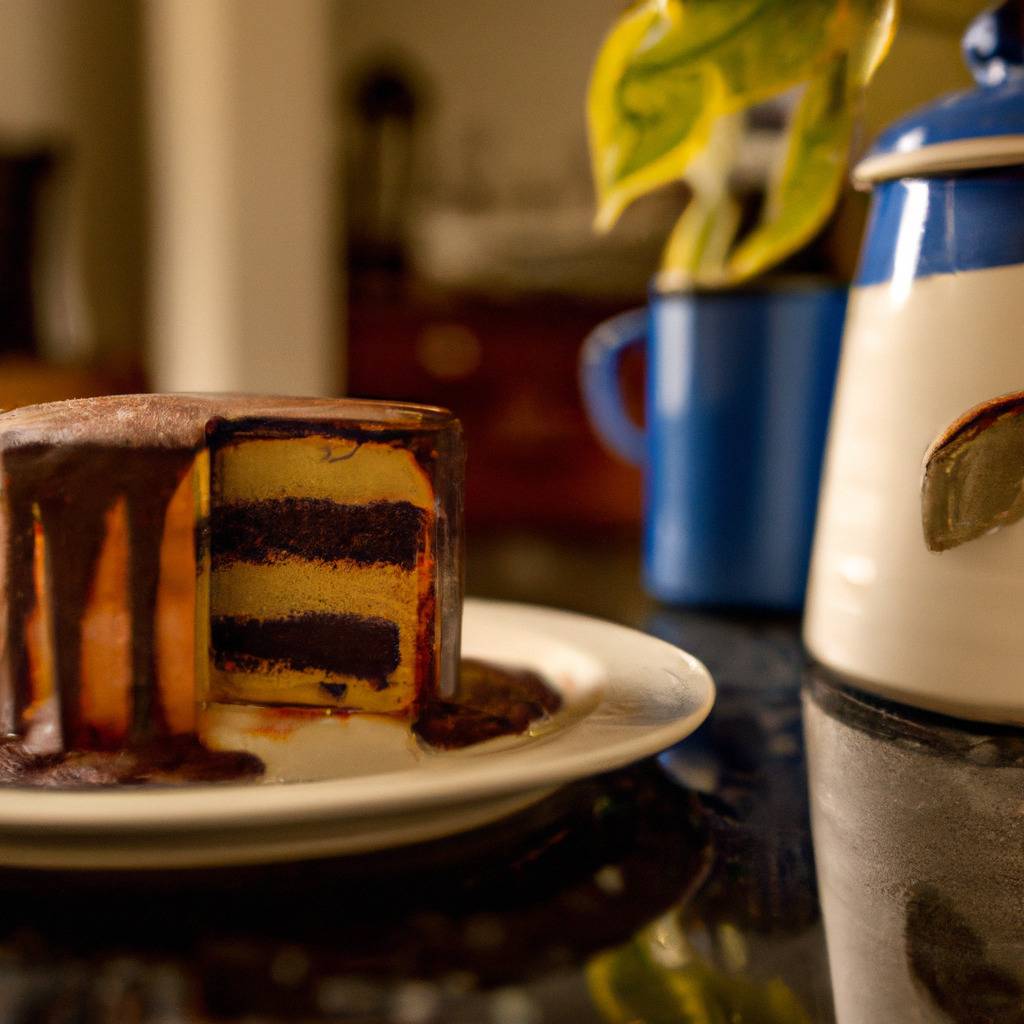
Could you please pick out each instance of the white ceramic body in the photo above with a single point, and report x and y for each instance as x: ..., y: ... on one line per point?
x: 940, y: 630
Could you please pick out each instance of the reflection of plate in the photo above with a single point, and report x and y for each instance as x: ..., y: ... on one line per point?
x: 626, y: 695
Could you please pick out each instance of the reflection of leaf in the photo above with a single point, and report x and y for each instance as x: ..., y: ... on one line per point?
x: 671, y: 69
x: 950, y: 961
x: 629, y: 985
x: 974, y: 474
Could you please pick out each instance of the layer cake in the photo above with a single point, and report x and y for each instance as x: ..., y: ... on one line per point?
x: 161, y: 552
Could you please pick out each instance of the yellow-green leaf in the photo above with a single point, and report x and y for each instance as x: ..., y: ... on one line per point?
x: 872, y: 27
x: 802, y: 196
x: 760, y: 47
x: 699, y: 244
x: 628, y: 985
x: 644, y: 129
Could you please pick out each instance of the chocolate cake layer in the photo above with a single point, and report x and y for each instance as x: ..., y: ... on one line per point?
x: 339, y: 644
x: 317, y: 530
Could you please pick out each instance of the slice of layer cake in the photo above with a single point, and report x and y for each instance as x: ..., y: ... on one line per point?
x: 159, y: 552
x: 321, y: 589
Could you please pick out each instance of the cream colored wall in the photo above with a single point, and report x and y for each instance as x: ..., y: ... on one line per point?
x: 511, y: 76
x: 243, y: 157
x: 215, y: 130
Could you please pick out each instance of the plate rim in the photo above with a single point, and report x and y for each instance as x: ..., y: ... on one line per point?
x: 228, y: 806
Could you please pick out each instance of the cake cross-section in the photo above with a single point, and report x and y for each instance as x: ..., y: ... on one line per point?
x: 162, y: 552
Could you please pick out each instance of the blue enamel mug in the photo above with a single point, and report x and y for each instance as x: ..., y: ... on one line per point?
x: 739, y: 386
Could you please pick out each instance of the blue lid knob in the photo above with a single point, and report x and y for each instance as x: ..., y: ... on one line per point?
x: 993, y: 45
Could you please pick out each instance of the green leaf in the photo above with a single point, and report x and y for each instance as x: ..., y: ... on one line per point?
x: 974, y: 475
x: 759, y: 47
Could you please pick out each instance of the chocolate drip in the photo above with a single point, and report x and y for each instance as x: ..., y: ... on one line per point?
x: 152, y: 484
x: 73, y: 528
x: 20, y: 587
x: 73, y: 487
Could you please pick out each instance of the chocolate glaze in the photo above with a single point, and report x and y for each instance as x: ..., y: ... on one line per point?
x: 149, y: 496
x: 20, y: 600
x: 491, y: 700
x: 318, y: 530
x: 72, y: 487
x: 351, y: 645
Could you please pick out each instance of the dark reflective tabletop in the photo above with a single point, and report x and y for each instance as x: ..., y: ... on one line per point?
x: 681, y: 889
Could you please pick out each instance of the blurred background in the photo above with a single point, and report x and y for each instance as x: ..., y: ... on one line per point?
x: 382, y: 198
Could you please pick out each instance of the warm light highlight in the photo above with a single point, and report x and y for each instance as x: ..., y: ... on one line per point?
x: 176, y: 611
x: 38, y: 629
x: 106, y: 698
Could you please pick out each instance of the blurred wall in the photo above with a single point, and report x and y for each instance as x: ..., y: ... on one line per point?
x: 924, y: 62
x: 507, y: 83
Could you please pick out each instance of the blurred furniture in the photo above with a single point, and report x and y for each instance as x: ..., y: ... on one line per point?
x: 27, y: 381
x: 507, y: 368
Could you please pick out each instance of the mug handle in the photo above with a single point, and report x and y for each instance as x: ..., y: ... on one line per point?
x: 601, y: 386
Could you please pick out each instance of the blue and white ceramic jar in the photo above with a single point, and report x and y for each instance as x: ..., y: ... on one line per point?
x: 935, y: 326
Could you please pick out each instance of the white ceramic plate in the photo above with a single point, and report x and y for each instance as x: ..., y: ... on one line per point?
x: 626, y: 695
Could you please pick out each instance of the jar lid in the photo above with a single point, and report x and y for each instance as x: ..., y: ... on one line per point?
x: 981, y: 127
